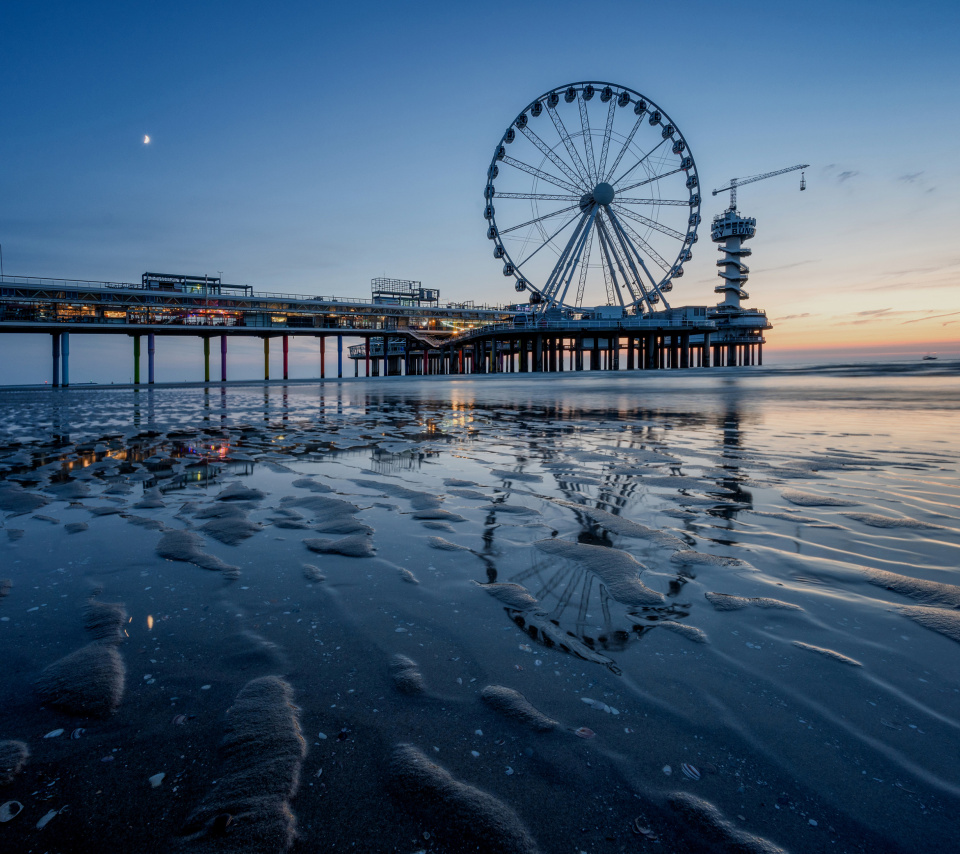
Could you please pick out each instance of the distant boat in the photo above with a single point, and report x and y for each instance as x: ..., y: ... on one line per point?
x: 929, y: 358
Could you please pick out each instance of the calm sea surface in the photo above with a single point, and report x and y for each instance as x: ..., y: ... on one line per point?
x: 674, y: 612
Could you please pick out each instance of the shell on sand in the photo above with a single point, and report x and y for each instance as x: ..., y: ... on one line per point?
x: 89, y: 681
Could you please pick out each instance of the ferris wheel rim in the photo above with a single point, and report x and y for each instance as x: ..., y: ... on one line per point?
x: 600, y: 204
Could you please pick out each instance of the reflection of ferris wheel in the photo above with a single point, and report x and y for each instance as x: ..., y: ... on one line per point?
x: 615, y: 202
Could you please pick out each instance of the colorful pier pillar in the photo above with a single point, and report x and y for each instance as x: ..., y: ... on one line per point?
x: 223, y: 358
x: 65, y: 359
x: 151, y: 352
x: 55, y: 338
x: 286, y: 350
x: 136, y: 360
x: 206, y: 358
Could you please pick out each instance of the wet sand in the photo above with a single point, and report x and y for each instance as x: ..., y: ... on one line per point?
x: 593, y: 613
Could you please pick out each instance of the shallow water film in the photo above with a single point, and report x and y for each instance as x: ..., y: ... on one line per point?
x: 716, y: 612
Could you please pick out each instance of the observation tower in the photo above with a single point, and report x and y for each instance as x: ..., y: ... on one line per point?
x: 731, y: 231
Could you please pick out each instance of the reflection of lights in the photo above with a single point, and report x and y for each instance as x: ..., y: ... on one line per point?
x: 149, y: 622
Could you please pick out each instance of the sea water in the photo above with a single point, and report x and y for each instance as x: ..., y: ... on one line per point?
x: 733, y: 596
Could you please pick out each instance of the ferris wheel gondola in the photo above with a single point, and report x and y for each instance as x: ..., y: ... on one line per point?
x: 585, y: 211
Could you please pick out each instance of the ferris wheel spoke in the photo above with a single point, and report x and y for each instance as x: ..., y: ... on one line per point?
x: 549, y: 240
x: 587, y: 136
x: 635, y: 165
x: 623, y: 149
x: 539, y: 219
x: 675, y: 202
x: 550, y: 288
x: 612, y: 259
x: 583, y: 273
x: 539, y: 173
x: 540, y: 197
x: 551, y: 155
x: 608, y: 130
x: 651, y: 223
x: 609, y: 274
x: 568, y: 144
x: 650, y: 180
x: 663, y: 265
x: 628, y: 248
x: 574, y: 261
x: 634, y: 282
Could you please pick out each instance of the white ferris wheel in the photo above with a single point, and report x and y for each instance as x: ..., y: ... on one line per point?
x: 592, y: 198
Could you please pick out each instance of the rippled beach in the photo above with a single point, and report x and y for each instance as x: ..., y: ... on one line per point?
x: 716, y: 611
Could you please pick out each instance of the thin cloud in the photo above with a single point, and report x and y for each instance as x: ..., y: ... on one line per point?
x: 910, y: 177
x: 846, y: 175
x: 794, y: 317
x: 786, y: 266
x: 935, y: 317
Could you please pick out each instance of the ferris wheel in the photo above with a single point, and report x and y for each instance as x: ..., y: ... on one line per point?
x: 592, y: 198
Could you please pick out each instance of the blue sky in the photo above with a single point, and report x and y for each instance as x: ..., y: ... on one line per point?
x: 308, y: 148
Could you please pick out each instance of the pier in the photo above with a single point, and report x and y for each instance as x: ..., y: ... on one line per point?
x: 401, y: 334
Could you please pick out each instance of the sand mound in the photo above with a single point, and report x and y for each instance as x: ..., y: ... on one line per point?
x: 618, y: 570
x: 263, y: 750
x: 514, y: 596
x: 239, y: 492
x: 16, y: 501
x: 828, y: 653
x: 706, y: 818
x: 89, y: 681
x: 514, y: 705
x: 231, y: 531
x: 152, y: 500
x: 418, y: 500
x: 688, y: 557
x: 691, y: 633
x: 406, y: 675
x: 13, y: 756
x: 312, y: 485
x: 355, y: 546
x: 875, y: 520
x: 812, y: 499
x: 105, y: 620
x: 513, y: 509
x: 313, y: 573
x: 188, y: 547
x: 445, y: 545
x: 726, y: 602
x: 471, y: 819
x: 927, y: 592
x: 938, y: 619
x: 437, y: 514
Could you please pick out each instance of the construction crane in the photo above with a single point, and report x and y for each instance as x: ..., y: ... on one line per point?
x: 739, y: 182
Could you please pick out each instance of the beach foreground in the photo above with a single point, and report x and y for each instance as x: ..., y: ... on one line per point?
x: 710, y: 612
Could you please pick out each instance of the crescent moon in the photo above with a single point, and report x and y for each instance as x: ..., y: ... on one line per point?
x: 146, y: 139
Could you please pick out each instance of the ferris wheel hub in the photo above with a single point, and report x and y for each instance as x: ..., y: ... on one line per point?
x: 603, y: 193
